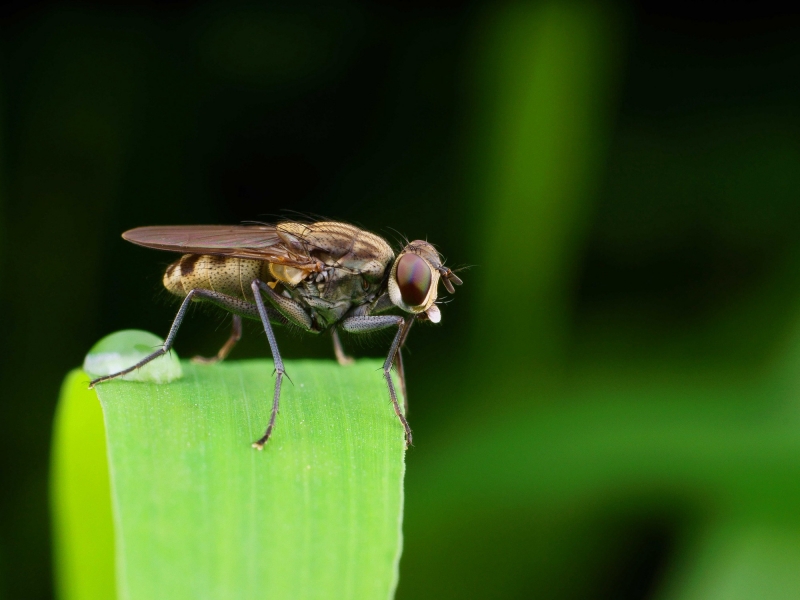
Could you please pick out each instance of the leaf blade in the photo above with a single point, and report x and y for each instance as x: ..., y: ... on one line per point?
x: 200, y: 514
x: 83, y: 533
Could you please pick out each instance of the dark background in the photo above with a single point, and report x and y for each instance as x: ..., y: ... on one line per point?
x: 668, y: 301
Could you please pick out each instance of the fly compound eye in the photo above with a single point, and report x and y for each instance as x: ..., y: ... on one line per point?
x: 413, y: 277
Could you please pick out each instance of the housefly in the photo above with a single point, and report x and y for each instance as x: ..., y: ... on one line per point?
x: 315, y: 276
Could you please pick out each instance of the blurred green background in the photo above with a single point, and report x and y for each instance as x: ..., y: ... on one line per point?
x: 610, y: 407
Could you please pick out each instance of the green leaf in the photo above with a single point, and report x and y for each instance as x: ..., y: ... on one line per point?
x: 83, y: 534
x: 198, y: 513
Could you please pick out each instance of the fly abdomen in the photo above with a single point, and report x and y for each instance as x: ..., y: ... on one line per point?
x: 226, y: 275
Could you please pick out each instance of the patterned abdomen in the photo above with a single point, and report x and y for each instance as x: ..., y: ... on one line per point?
x: 230, y: 276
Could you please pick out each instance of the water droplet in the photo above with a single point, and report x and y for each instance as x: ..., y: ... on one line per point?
x: 123, y: 349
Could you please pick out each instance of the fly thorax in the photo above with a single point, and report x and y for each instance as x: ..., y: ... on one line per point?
x: 339, y: 245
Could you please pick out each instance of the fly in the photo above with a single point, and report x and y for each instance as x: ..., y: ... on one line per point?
x: 316, y: 276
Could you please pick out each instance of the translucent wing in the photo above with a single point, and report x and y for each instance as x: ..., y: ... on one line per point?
x: 259, y: 242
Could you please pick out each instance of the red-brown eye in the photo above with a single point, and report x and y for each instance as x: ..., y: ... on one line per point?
x: 413, y: 278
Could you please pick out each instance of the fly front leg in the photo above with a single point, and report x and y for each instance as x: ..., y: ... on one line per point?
x: 401, y: 372
x: 236, y: 335
x: 229, y: 303
x: 401, y: 375
x: 338, y: 350
x: 374, y: 323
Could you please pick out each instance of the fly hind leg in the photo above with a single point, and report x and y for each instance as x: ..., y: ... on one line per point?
x: 233, y: 305
x: 236, y: 335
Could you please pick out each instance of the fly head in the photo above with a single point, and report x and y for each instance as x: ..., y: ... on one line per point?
x: 414, y: 280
